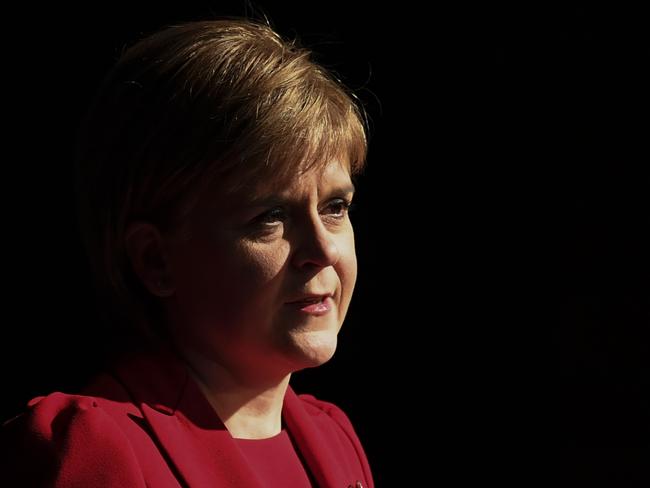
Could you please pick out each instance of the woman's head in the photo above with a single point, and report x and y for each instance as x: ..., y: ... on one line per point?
x: 194, y: 122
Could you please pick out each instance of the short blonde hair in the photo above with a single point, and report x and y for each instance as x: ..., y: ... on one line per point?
x: 215, y: 101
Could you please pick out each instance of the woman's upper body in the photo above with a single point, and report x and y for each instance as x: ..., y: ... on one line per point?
x: 214, y: 176
x: 146, y: 423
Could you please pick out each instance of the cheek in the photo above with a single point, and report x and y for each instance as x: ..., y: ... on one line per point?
x: 258, y: 265
x: 347, y: 268
x: 249, y: 281
x: 350, y: 265
x: 223, y: 278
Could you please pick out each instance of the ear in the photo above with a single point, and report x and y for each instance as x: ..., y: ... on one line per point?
x: 146, y: 251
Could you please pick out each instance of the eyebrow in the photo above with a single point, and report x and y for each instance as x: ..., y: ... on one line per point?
x: 343, y: 189
x: 276, y: 200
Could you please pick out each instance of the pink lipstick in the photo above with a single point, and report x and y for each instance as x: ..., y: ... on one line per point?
x: 314, y: 306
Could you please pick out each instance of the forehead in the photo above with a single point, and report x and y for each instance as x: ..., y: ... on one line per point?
x: 332, y: 176
x: 319, y: 179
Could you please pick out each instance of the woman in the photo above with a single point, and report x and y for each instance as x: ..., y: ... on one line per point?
x: 214, y: 179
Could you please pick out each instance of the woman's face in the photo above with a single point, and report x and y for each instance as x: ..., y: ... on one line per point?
x: 250, y: 258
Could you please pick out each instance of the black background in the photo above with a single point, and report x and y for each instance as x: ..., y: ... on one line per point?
x: 499, y: 331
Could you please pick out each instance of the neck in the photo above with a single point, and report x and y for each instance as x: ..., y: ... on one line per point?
x: 250, y: 408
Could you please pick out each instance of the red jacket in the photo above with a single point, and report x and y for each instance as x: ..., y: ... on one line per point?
x: 147, y: 424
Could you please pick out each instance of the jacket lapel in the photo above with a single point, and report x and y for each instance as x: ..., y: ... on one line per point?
x: 311, y: 443
x: 196, y: 442
x: 200, y: 447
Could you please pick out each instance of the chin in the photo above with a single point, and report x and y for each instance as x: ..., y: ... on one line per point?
x: 312, y: 349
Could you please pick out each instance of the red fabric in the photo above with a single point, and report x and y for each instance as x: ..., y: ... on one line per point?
x: 276, y: 462
x: 147, y: 424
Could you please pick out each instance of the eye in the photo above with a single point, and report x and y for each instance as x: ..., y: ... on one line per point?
x: 271, y: 217
x: 338, y: 208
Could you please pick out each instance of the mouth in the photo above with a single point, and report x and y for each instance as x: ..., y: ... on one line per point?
x: 310, y: 298
x: 313, y: 305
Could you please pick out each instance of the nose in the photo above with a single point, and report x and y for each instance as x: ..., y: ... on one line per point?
x: 316, y: 246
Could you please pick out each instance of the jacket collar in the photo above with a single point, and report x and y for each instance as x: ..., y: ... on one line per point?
x: 196, y: 441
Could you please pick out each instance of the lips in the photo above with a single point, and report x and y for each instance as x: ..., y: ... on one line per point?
x: 310, y: 298
x: 314, y: 305
x: 307, y: 301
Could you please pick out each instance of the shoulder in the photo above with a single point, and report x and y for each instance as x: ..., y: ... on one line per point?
x: 48, y: 415
x: 62, y: 438
x: 58, y: 415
